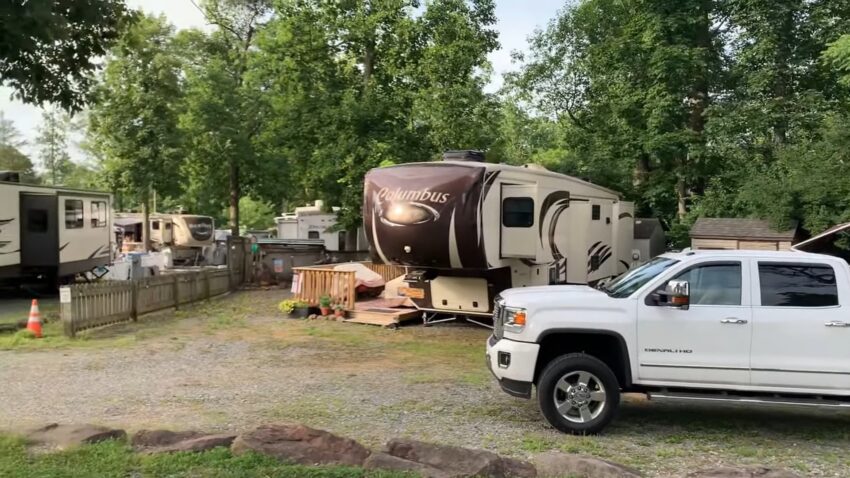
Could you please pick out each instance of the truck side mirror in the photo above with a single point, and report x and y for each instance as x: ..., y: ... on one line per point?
x: 675, y: 294
x: 678, y: 293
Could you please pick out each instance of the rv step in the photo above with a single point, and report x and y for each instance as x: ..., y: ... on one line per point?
x: 817, y: 401
x: 385, y: 317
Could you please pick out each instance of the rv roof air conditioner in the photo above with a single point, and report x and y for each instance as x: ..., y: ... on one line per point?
x: 536, y: 167
x: 10, y: 176
x: 464, y: 155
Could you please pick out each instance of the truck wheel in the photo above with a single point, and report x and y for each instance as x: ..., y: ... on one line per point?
x: 578, y: 394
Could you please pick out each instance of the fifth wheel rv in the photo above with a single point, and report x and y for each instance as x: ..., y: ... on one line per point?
x: 53, y: 232
x: 467, y: 230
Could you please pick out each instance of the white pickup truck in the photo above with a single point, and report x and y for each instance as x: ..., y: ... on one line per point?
x: 747, y: 326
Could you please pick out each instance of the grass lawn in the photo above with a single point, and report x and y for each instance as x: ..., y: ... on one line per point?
x: 116, y: 459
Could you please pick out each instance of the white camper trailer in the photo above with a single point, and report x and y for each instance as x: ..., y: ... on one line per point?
x: 316, y: 223
x: 467, y: 230
x: 185, y: 234
x: 54, y: 232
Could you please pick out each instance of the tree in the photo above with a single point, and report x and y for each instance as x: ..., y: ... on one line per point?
x: 11, y: 159
x: 355, y: 84
x: 255, y: 215
x: 9, y: 134
x: 53, y: 146
x: 223, y: 109
x: 47, y: 46
x: 133, y: 125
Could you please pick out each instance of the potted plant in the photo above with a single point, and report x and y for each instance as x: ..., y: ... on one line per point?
x: 296, y: 309
x: 339, y: 311
x: 325, y: 305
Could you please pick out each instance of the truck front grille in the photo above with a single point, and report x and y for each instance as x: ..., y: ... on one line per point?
x: 498, y: 319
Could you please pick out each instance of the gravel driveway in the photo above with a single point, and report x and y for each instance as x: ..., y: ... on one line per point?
x: 235, y: 363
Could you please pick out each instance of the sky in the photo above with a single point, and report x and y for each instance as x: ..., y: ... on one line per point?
x: 517, y: 20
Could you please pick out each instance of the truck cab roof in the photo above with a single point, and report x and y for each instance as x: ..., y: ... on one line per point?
x: 694, y: 255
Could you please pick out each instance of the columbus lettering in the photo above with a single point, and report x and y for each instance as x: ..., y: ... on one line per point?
x: 424, y: 195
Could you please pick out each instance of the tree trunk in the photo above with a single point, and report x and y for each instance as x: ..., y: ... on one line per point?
x: 782, y: 80
x: 235, y: 194
x: 641, y: 171
x: 146, y: 222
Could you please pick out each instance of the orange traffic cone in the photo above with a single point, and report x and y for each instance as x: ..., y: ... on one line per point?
x: 34, y: 322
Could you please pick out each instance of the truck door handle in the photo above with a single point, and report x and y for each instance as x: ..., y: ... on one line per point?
x: 837, y: 324
x: 732, y: 320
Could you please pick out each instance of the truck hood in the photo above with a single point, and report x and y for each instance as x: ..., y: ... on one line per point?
x: 551, y: 295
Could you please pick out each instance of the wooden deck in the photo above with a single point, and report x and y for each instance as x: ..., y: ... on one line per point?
x: 382, y: 312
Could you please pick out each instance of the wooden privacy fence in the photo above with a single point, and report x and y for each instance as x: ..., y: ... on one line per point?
x: 85, y: 306
x: 311, y: 283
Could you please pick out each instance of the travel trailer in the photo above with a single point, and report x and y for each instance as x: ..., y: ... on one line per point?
x: 185, y: 234
x: 467, y: 230
x: 316, y: 223
x: 52, y: 232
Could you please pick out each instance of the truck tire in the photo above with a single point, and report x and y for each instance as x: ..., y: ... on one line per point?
x: 578, y: 394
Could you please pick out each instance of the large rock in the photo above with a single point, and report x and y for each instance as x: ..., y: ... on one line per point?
x: 728, y: 472
x: 302, y: 445
x: 161, y: 438
x: 166, y: 441
x: 556, y: 465
x: 199, y: 444
x: 384, y: 461
x: 459, y: 462
x: 67, y: 436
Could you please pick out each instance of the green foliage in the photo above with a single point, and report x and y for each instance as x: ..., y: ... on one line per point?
x: 112, y: 458
x: 287, y: 306
x: 325, y: 301
x: 255, y: 215
x: 47, y: 47
x: 133, y: 125
x: 11, y: 159
x: 53, y: 146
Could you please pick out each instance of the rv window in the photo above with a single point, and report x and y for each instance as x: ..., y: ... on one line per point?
x: 167, y: 226
x: 37, y: 220
x: 74, y: 214
x: 98, y: 214
x: 155, y: 225
x: 596, y: 212
x: 312, y: 234
x: 518, y: 212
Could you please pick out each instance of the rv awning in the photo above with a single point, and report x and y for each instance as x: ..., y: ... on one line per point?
x: 126, y: 221
x: 823, y: 242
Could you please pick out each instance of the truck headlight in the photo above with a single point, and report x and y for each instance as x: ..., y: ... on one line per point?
x: 515, y: 318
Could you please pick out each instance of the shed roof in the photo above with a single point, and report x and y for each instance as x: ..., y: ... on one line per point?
x: 645, y: 227
x: 739, y: 228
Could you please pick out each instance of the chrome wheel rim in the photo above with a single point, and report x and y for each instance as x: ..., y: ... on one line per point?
x: 579, y: 396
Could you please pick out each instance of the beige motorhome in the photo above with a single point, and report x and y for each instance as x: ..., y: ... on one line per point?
x: 467, y: 229
x: 54, y: 232
x: 185, y: 234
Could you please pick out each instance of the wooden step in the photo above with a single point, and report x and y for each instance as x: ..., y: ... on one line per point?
x: 385, y: 317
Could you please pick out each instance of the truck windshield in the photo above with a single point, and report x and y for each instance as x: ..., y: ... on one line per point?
x: 633, y: 280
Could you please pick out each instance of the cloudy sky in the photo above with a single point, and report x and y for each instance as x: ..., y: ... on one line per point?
x: 517, y: 20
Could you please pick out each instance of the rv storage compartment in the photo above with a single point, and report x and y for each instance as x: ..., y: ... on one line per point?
x: 467, y: 294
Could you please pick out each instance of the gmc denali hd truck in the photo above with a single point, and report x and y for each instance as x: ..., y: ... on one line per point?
x: 743, y: 326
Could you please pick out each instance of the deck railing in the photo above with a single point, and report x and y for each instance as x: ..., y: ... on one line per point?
x: 311, y: 283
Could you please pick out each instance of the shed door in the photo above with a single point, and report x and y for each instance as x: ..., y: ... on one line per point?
x: 519, y: 221
x: 39, y: 230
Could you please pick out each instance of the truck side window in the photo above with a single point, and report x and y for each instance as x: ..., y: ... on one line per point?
x: 797, y: 285
x: 518, y: 212
x: 714, y: 284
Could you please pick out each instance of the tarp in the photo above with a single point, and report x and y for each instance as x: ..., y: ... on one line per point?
x: 362, y: 275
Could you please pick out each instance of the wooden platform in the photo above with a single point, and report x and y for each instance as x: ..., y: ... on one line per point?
x: 381, y: 312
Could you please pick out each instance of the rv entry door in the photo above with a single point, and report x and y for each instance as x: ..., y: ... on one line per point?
x: 39, y: 230
x: 519, y: 237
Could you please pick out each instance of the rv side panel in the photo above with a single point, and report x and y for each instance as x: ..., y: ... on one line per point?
x: 10, y: 228
x: 85, y: 231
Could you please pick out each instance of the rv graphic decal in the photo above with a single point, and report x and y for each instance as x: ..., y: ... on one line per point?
x: 597, y: 255
x: 489, y: 181
x: 95, y: 252
x: 200, y: 227
x: 10, y: 252
x: 64, y: 246
x: 407, y: 214
x: 3, y: 222
x: 425, y: 215
x: 4, y: 244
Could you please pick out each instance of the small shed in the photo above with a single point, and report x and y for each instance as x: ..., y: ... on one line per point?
x: 650, y: 240
x: 738, y: 233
